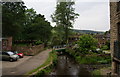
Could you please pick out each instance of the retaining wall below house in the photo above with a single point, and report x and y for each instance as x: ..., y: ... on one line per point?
x: 29, y: 50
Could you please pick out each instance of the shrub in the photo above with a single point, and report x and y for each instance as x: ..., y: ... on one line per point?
x: 87, y: 43
x: 38, y: 42
x: 105, y: 47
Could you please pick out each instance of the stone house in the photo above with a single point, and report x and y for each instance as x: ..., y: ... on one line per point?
x: 74, y: 38
x: 115, y: 36
x: 102, y: 39
x: 7, y: 43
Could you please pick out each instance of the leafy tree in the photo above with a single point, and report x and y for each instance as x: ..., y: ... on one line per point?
x: 64, y: 17
x: 13, y: 14
x: 30, y: 15
x: 22, y: 23
x: 56, y: 37
x: 40, y: 29
x: 87, y: 43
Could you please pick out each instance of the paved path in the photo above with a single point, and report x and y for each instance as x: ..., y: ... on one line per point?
x: 28, y: 65
x: 8, y: 64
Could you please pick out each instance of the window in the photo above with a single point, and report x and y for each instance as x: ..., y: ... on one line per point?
x: 118, y: 6
x: 118, y: 31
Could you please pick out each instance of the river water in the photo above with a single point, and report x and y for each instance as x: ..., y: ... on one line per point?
x: 67, y: 66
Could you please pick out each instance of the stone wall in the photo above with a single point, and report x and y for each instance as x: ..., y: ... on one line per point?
x: 114, y: 20
x: 6, y: 43
x: 29, y: 50
x: 113, y: 23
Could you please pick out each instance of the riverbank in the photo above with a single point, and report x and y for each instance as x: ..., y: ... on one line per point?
x: 91, y: 58
x: 102, y: 71
x: 97, y: 64
x: 47, y: 66
x: 89, y: 63
x: 66, y: 65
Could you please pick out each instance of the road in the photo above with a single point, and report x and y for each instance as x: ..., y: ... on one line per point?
x: 14, y: 68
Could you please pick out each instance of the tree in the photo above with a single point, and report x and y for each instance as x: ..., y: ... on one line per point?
x: 40, y: 29
x: 30, y: 15
x: 64, y: 17
x: 25, y: 24
x: 87, y: 43
x: 56, y: 37
x: 13, y: 14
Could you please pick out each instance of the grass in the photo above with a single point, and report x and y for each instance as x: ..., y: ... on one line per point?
x: 52, y: 57
x: 99, y: 72
x: 50, y: 67
x: 96, y: 73
x: 93, y: 59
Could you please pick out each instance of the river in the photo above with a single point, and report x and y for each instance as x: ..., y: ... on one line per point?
x: 67, y: 66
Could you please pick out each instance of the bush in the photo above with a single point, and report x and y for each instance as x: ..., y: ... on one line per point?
x: 105, y: 47
x: 92, y: 58
x: 38, y: 42
x: 87, y: 43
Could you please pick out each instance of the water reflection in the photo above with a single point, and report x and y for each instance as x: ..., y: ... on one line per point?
x: 67, y: 66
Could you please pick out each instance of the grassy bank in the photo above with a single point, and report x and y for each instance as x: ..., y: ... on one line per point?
x: 92, y: 58
x: 102, y: 71
x: 47, y: 66
x: 96, y: 73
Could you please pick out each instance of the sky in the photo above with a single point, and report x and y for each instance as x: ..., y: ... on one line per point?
x: 93, y: 15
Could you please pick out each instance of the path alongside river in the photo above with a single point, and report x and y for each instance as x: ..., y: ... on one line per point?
x: 28, y: 65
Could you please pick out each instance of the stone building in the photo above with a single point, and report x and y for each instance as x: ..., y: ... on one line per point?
x: 6, y: 44
x: 115, y: 36
x: 102, y: 39
x: 74, y: 38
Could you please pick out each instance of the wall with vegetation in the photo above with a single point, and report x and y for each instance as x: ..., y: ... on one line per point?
x: 29, y: 50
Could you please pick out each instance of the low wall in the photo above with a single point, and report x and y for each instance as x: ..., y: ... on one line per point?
x: 29, y: 50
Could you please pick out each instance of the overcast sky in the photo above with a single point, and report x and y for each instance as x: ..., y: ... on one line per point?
x: 93, y: 15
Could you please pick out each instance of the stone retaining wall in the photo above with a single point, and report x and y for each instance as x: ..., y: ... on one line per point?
x: 29, y: 50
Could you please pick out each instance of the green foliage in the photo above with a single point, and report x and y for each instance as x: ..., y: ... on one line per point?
x: 90, y: 58
x: 108, y: 44
x: 24, y: 24
x: 57, y: 36
x: 96, y: 73
x: 13, y: 15
x: 87, y: 31
x: 49, y: 68
x: 87, y: 43
x: 93, y: 59
x: 39, y: 29
x: 52, y: 57
x: 64, y: 17
x: 105, y: 47
x: 38, y: 42
x: 30, y: 15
